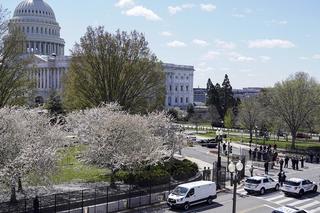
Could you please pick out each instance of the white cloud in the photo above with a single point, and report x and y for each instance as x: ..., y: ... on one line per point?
x: 200, y: 42
x: 211, y: 55
x: 303, y: 58
x: 236, y: 57
x: 124, y: 3
x: 316, y: 56
x: 264, y: 59
x: 208, y: 7
x: 224, y: 44
x: 175, y: 9
x: 176, y: 43
x: 238, y: 15
x: 270, y: 43
x: 144, y: 12
x: 166, y: 33
x: 279, y: 22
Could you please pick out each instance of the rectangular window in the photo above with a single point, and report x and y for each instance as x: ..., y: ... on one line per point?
x: 170, y: 88
x: 181, y: 88
x: 176, y: 88
x: 187, y: 100
x: 181, y: 100
x: 187, y: 88
x: 176, y: 100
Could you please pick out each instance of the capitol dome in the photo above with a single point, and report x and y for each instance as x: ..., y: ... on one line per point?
x: 34, y: 8
x: 36, y: 19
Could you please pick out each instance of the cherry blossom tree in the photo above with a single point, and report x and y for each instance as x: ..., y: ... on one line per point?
x: 117, y: 139
x: 28, y: 147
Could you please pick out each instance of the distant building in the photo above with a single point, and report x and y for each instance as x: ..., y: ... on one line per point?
x: 199, y: 95
x: 246, y: 92
x: 179, y: 85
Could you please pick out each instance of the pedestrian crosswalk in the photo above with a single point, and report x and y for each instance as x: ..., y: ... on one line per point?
x: 311, y: 205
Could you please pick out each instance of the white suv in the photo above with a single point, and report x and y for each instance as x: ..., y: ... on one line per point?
x: 298, y: 186
x: 260, y: 184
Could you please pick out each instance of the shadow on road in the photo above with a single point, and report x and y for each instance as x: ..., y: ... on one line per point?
x: 199, y: 207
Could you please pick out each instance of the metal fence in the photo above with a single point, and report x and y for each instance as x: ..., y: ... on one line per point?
x: 103, y: 199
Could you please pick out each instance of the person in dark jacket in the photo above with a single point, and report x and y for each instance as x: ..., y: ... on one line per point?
x: 281, y: 164
x: 286, y: 161
x: 266, y: 167
x: 302, y: 161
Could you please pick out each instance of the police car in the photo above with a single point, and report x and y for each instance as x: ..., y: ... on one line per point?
x: 298, y: 186
x: 260, y: 184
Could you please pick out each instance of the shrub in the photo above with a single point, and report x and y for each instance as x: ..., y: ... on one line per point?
x: 159, y: 174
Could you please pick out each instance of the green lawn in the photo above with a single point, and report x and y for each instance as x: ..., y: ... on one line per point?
x: 282, y: 143
x: 71, y: 169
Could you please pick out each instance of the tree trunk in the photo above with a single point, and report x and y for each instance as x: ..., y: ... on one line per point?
x: 13, y: 198
x: 251, y: 135
x: 112, y: 179
x: 293, y: 142
x: 20, y: 189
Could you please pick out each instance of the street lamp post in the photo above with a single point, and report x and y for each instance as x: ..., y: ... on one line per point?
x: 235, y: 169
x: 219, y: 134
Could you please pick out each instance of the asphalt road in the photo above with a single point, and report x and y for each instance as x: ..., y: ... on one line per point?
x: 251, y: 203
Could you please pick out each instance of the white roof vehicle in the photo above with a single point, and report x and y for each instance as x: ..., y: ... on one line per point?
x: 298, y: 186
x: 188, y: 194
x: 260, y: 184
x: 288, y: 209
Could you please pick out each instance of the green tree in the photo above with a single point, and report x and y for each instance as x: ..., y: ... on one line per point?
x: 116, y: 67
x: 221, y: 97
x: 14, y: 78
x: 294, y: 100
x: 250, y: 114
x: 54, y: 104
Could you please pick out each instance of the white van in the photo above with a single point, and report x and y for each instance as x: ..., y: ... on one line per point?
x: 188, y: 194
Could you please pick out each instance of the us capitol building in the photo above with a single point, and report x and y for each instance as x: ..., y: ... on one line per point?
x: 36, y: 19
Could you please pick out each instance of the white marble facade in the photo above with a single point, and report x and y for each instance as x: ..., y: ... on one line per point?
x: 38, y: 22
x: 36, y: 19
x: 179, y: 85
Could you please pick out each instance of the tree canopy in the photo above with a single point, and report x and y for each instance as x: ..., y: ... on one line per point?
x: 116, y: 67
x: 14, y: 78
x: 294, y: 100
x: 221, y: 97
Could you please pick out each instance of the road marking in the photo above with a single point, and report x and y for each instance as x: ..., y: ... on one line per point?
x: 269, y: 206
x: 274, y: 198
x: 317, y: 210
x: 251, y: 209
x: 299, y: 202
x: 283, y: 200
x: 309, y: 205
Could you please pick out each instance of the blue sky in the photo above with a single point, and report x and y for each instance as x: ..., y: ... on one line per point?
x: 255, y: 42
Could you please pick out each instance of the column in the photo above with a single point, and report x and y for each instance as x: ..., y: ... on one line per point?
x: 47, y: 78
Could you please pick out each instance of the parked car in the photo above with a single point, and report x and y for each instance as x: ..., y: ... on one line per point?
x: 288, y: 209
x: 298, y: 187
x: 260, y: 184
x: 188, y: 194
x: 303, y: 135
